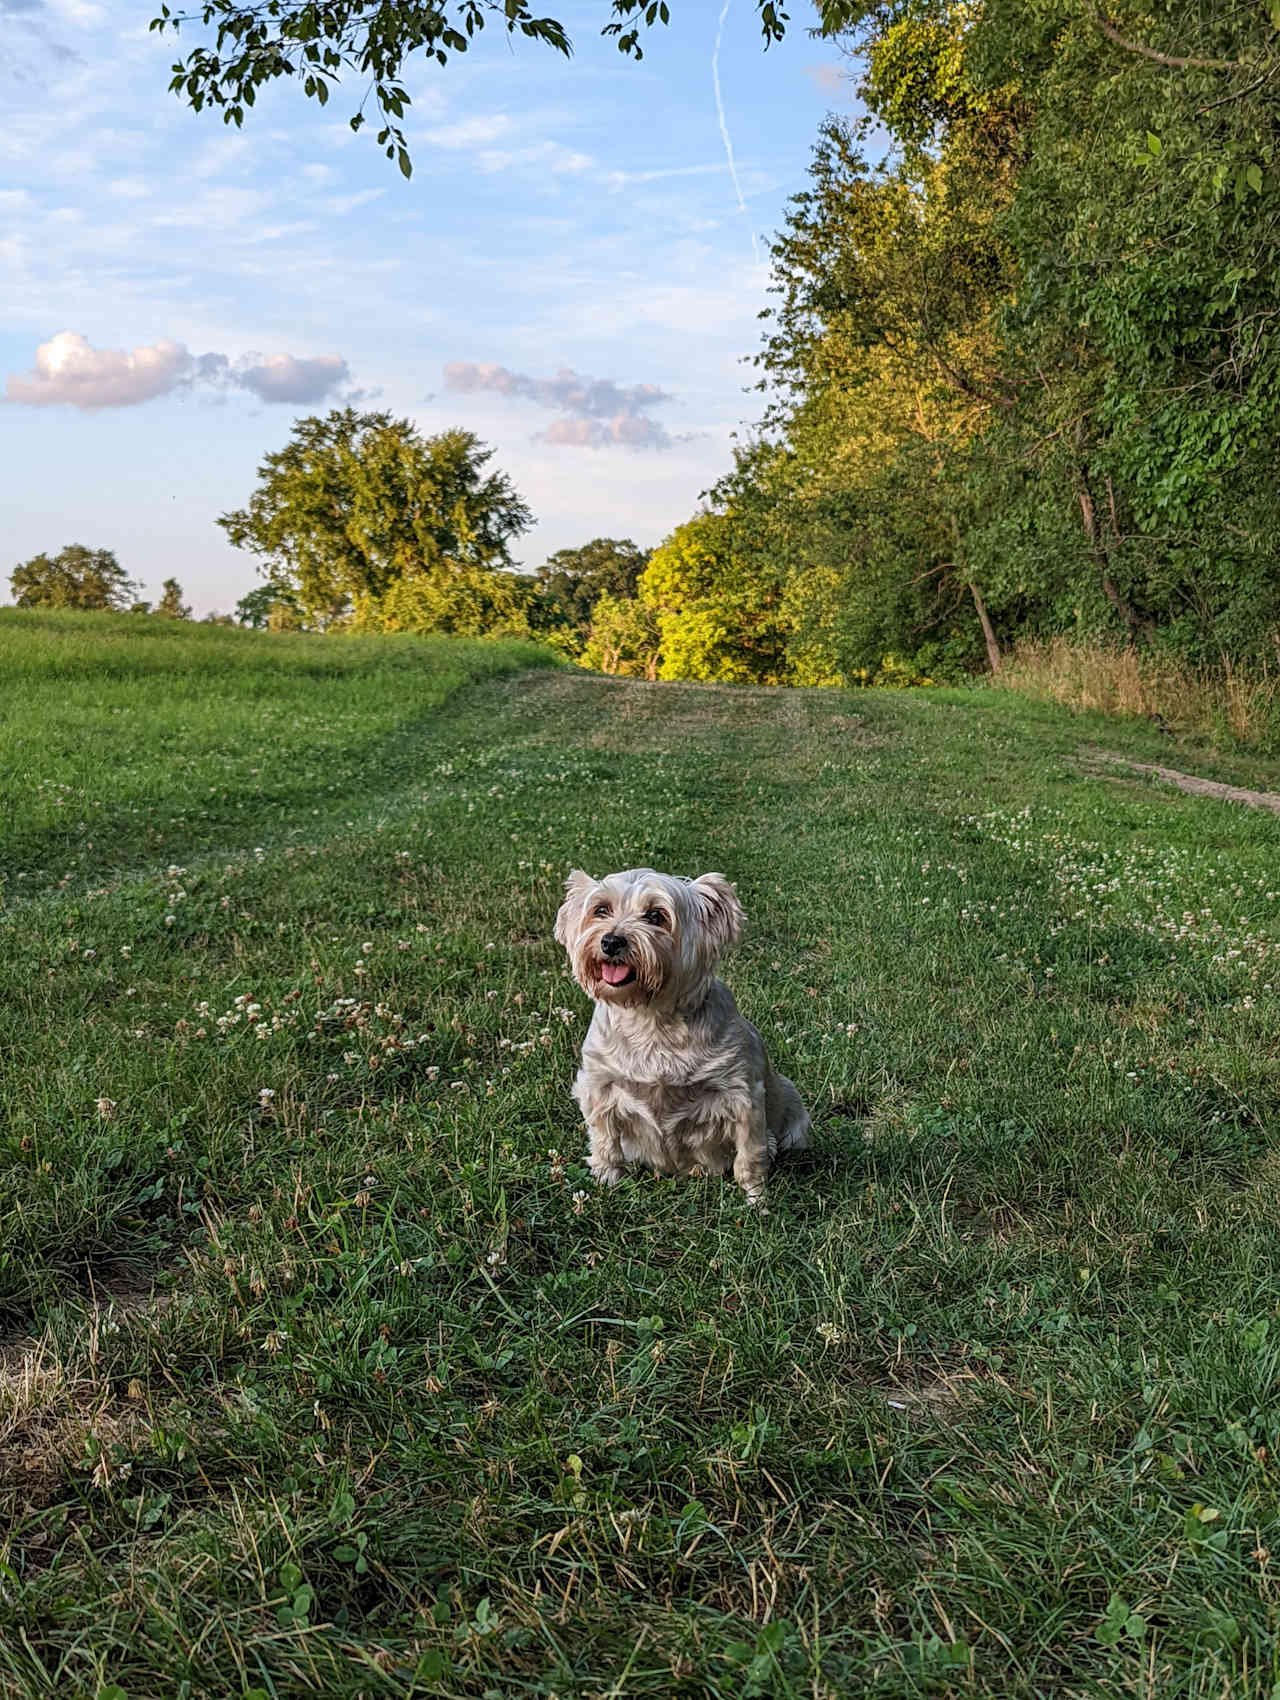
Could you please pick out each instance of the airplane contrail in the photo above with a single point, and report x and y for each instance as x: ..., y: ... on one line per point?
x: 724, y: 128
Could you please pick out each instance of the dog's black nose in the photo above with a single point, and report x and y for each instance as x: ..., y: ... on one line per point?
x: 612, y: 944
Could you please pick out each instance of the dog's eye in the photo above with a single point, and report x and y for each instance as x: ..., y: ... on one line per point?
x: 655, y: 917
x: 600, y: 910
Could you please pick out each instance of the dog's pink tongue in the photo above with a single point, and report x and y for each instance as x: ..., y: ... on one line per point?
x: 614, y: 973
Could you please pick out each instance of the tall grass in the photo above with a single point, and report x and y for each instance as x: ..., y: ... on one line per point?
x: 1227, y: 707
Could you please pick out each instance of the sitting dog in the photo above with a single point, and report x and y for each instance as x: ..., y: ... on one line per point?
x: 672, y: 1078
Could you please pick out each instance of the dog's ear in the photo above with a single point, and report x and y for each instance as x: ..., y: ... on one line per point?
x: 723, y: 915
x: 576, y: 888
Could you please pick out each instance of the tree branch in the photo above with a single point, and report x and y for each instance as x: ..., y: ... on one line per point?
x: 1172, y: 61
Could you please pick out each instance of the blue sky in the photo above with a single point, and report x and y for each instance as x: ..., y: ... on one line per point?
x: 177, y: 293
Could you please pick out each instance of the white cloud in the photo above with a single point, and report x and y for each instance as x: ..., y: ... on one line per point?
x: 339, y: 205
x: 481, y: 134
x: 598, y: 412
x: 70, y: 372
x: 627, y: 179
x: 283, y: 378
x: 478, y: 132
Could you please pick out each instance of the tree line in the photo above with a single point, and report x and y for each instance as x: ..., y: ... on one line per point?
x: 90, y: 579
x: 1020, y: 377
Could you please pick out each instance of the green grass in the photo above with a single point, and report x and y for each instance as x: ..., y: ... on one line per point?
x: 323, y: 1371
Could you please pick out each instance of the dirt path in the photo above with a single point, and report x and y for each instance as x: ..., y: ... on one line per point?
x: 1189, y: 783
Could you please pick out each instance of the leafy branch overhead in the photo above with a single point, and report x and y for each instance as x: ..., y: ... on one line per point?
x: 319, y: 43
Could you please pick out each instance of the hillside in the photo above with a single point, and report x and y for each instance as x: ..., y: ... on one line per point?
x: 323, y: 1370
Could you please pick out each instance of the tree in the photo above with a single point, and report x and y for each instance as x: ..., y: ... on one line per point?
x: 718, y: 608
x: 76, y: 577
x: 1140, y: 455
x: 456, y: 598
x: 570, y: 583
x: 885, y: 350
x: 271, y: 605
x: 254, y: 45
x: 623, y: 638
x: 171, y: 604
x: 357, y: 502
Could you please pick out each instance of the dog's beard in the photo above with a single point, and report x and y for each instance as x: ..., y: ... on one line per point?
x: 637, y: 976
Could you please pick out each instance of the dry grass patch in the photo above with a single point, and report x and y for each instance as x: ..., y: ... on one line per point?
x: 58, y: 1411
x: 631, y: 714
x: 1235, y: 706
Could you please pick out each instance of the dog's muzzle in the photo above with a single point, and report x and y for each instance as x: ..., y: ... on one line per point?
x: 613, y: 970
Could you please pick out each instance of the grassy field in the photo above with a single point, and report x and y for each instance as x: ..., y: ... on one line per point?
x: 324, y: 1371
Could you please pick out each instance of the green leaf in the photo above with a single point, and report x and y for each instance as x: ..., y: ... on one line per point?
x: 1253, y: 177
x: 405, y: 164
x: 1153, y: 144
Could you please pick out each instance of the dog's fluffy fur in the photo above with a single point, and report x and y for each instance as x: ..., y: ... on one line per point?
x: 672, y: 1078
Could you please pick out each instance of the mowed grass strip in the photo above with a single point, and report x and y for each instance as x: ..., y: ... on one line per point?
x: 326, y: 1370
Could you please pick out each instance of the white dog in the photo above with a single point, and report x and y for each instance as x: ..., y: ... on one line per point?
x: 672, y: 1078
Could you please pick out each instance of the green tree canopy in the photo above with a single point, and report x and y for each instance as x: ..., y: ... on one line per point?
x: 570, y: 583
x: 358, y: 502
x: 76, y: 577
x: 717, y: 606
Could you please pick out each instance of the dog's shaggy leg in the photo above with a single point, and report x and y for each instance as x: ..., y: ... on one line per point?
x: 604, y: 1155
x: 751, y: 1158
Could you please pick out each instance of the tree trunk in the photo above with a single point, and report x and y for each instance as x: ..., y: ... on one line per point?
x: 1135, y: 625
x: 988, y: 630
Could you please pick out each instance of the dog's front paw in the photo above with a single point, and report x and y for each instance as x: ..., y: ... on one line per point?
x: 605, y: 1174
